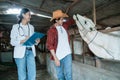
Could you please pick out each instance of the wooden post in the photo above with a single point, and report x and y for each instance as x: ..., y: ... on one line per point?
x: 94, y: 12
x: 83, y: 54
x: 72, y: 40
x: 97, y: 61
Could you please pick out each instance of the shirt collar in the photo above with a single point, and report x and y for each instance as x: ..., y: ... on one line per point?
x: 23, y: 25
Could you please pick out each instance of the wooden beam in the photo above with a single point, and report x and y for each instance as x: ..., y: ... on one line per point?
x: 103, y: 31
x: 43, y: 1
x: 8, y: 23
x: 68, y: 0
x: 70, y: 6
x: 117, y: 25
x: 109, y: 16
x: 99, y: 8
x: 110, y: 30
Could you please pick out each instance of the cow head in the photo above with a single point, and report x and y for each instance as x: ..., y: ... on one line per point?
x: 84, y: 23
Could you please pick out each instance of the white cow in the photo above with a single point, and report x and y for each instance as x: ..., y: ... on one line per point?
x: 101, y: 44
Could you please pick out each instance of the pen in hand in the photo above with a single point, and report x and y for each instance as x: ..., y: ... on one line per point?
x: 22, y: 41
x: 37, y: 41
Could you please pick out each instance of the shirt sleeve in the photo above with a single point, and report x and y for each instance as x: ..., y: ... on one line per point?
x: 68, y: 23
x: 50, y: 40
x: 14, y: 35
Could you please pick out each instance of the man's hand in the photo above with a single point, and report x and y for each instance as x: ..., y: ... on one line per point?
x: 57, y: 62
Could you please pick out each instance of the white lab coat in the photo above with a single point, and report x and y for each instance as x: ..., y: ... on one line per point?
x: 19, y: 49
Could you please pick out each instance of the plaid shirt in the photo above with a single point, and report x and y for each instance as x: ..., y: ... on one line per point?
x: 52, y: 35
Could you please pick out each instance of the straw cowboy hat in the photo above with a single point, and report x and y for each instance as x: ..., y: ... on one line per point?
x: 58, y: 14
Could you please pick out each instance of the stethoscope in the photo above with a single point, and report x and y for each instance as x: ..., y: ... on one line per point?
x: 21, y: 31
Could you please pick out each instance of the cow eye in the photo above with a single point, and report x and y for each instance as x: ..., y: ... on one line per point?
x: 85, y: 22
x: 91, y: 29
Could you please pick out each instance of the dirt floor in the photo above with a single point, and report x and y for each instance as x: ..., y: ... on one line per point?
x: 8, y: 72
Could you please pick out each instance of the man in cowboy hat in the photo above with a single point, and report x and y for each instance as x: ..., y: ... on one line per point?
x: 58, y: 44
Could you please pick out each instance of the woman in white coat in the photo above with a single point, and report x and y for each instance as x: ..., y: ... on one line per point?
x: 24, y: 55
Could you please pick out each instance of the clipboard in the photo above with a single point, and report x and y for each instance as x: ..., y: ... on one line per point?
x: 31, y: 40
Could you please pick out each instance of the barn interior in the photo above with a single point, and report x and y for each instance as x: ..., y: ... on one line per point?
x: 86, y: 66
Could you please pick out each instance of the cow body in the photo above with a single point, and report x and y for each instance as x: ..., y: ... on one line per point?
x: 104, y: 45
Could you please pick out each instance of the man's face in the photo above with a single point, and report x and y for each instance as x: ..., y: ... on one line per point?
x: 60, y: 22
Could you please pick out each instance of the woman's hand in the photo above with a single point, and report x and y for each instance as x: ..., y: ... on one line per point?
x: 37, y: 41
x: 22, y: 41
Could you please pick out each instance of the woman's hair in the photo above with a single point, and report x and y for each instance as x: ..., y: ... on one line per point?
x: 20, y: 16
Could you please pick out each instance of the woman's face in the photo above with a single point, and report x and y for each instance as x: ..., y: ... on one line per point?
x: 27, y: 16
